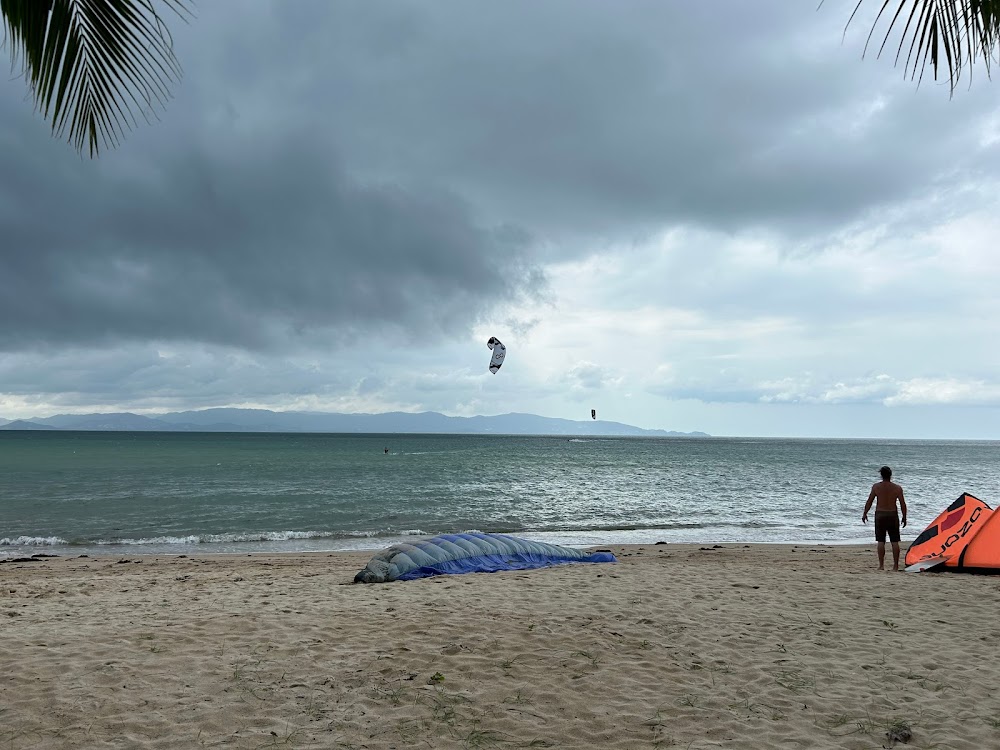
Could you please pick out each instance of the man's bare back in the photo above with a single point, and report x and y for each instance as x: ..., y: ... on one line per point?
x: 886, y: 494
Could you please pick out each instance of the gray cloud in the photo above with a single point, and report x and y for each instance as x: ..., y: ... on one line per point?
x: 246, y: 243
x: 344, y: 199
x: 587, y: 376
x: 338, y: 169
x: 578, y: 116
x: 145, y: 377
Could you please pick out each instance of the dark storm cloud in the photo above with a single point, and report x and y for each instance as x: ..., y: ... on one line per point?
x: 330, y: 171
x: 575, y: 116
x: 253, y: 242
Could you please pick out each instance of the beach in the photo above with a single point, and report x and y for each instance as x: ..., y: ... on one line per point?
x: 675, y: 645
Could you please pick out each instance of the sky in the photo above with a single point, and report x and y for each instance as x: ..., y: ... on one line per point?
x: 723, y: 217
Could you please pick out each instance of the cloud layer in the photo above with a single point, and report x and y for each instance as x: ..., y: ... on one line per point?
x: 678, y: 212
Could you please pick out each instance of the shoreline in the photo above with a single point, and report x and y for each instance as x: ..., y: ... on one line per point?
x: 366, y: 553
x: 687, y: 645
x: 323, y: 545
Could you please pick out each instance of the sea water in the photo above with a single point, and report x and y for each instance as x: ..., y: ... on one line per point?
x: 72, y: 493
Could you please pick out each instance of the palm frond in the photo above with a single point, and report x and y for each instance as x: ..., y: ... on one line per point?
x: 945, y: 35
x: 92, y: 65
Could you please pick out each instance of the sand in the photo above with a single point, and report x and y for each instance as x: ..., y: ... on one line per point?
x: 688, y: 646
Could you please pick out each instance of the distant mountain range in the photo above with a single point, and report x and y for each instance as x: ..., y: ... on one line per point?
x: 263, y: 420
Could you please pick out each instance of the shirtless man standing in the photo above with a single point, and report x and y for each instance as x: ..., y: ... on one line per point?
x: 886, y: 518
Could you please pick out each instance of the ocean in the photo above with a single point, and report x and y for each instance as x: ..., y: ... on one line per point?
x: 121, y: 493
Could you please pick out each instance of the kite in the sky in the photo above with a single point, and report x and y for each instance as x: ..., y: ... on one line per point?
x: 593, y: 413
x: 499, y: 352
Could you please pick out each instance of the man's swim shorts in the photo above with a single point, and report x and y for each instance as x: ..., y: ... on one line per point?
x: 886, y: 524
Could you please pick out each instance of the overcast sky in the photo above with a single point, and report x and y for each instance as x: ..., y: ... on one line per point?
x: 689, y: 216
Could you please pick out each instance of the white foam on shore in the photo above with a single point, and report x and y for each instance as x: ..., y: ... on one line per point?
x: 229, y: 538
x: 32, y: 541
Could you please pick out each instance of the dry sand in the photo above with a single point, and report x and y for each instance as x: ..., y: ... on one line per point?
x: 688, y: 646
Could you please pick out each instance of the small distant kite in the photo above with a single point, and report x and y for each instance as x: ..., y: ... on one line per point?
x: 499, y: 352
x: 593, y: 413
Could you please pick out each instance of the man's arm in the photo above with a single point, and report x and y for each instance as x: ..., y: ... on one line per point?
x: 868, y: 505
x: 902, y: 505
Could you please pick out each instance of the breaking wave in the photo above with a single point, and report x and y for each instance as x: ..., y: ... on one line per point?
x: 32, y: 541
x: 226, y: 538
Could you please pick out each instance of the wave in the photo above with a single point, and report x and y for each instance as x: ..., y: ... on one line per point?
x: 225, y: 538
x: 652, y: 526
x: 715, y: 529
x: 32, y: 541
x: 237, y: 537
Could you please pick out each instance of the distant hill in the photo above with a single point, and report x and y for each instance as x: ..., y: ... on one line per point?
x: 100, y: 422
x: 22, y: 424
x: 263, y: 420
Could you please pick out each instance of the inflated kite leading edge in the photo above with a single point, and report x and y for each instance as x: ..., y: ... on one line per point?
x: 964, y: 537
x: 468, y: 553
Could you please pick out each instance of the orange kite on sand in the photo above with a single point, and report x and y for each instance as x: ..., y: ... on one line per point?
x: 964, y: 537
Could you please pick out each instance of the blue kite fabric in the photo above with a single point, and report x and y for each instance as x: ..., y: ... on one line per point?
x: 469, y: 553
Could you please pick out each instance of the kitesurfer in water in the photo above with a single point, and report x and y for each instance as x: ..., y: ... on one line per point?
x: 885, y: 494
x: 386, y: 451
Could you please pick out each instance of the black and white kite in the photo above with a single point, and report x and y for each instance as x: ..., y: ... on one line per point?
x: 499, y: 352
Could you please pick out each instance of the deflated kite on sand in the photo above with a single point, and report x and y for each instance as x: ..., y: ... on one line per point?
x: 469, y: 553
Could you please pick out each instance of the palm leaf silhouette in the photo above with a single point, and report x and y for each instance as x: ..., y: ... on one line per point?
x: 944, y: 34
x: 93, y: 65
